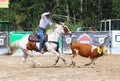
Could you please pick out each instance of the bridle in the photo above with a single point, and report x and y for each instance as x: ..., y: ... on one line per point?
x: 66, y: 30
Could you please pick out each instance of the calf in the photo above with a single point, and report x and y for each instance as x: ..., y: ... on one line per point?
x: 87, y: 50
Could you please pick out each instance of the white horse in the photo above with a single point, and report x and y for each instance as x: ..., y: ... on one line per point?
x: 51, y: 44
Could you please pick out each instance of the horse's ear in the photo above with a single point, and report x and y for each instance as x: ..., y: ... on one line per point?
x: 65, y: 29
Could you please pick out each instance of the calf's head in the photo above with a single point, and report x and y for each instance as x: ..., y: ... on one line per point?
x: 104, y: 50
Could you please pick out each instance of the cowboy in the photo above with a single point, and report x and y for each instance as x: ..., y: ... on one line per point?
x: 44, y: 21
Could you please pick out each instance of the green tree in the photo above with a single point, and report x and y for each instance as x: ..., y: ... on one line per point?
x: 116, y: 8
x: 25, y: 14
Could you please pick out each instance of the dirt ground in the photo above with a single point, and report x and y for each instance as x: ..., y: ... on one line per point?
x: 12, y: 68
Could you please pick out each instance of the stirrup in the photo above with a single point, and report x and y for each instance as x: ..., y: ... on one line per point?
x: 42, y: 51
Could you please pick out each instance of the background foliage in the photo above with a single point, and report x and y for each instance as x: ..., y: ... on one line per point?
x: 25, y: 14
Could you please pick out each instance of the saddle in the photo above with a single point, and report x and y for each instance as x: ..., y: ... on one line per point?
x: 34, y: 37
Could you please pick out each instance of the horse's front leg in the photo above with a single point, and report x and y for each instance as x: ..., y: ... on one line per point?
x: 31, y: 58
x: 56, y: 61
x: 58, y: 57
x: 52, y: 50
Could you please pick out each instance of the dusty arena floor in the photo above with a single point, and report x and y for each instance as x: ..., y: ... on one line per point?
x: 12, y: 68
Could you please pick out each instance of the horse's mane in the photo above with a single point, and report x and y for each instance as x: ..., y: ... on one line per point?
x: 52, y: 28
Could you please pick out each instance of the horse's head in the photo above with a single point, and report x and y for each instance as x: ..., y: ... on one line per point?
x: 62, y: 28
x: 66, y: 30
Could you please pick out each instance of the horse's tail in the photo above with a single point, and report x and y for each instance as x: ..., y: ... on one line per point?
x: 14, y: 46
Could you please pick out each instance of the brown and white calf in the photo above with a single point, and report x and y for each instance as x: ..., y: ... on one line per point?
x: 88, y: 51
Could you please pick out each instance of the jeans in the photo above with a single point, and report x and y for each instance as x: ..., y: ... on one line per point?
x: 41, y: 35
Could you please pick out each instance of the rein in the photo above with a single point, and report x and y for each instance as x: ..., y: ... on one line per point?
x: 53, y: 42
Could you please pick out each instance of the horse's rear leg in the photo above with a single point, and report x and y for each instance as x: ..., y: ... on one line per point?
x: 30, y: 54
x: 25, y: 55
x: 33, y: 60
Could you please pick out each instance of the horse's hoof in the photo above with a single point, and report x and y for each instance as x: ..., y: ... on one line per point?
x: 24, y: 61
x: 65, y: 63
x: 34, y: 66
x: 38, y: 65
x: 42, y: 52
x: 71, y: 65
x: 93, y: 63
x: 87, y: 64
x: 54, y: 64
x: 74, y: 64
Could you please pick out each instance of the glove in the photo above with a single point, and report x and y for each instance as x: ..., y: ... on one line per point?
x: 50, y: 24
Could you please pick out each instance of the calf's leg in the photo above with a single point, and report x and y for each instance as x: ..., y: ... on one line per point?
x: 92, y: 62
x: 73, y: 62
